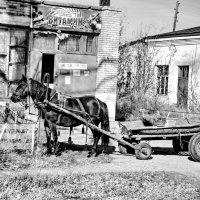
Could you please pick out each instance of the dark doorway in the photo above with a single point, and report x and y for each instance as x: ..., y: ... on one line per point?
x: 182, y: 94
x: 48, y: 66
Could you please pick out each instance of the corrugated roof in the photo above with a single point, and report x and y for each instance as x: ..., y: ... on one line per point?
x: 195, y: 31
x: 181, y: 33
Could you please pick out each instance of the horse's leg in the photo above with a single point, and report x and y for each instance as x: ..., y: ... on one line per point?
x: 70, y: 133
x: 55, y: 138
x: 48, y: 136
x: 104, y: 144
x: 94, y: 149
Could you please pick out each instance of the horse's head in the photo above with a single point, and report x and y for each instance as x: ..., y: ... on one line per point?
x: 21, y: 92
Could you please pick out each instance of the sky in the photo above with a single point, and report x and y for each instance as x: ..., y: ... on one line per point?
x: 150, y: 16
x: 156, y: 16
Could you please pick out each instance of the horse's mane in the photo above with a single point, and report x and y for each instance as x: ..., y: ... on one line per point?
x: 39, y: 89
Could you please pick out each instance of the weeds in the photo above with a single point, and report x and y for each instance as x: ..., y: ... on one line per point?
x: 15, y: 154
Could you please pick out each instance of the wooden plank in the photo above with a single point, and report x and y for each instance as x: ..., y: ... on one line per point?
x: 149, y: 137
x: 189, y: 126
x: 165, y: 131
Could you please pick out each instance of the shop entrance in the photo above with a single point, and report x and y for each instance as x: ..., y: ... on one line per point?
x: 48, y: 67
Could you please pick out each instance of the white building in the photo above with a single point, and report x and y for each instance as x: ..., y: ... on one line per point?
x: 177, y: 66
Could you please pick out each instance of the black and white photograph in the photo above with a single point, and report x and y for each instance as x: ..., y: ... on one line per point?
x: 99, y: 100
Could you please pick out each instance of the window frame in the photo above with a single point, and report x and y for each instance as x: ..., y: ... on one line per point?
x: 82, y: 47
x: 162, y: 76
x: 70, y: 51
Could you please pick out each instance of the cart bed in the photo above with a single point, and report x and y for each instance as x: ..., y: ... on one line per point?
x: 138, y: 130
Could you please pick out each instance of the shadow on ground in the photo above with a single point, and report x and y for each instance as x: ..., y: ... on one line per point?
x: 163, y: 151
x: 65, y: 146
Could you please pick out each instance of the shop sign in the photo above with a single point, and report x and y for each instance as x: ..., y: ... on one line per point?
x: 65, y: 18
x: 73, y: 66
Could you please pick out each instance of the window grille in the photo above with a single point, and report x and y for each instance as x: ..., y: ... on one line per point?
x: 104, y: 2
x: 162, y: 79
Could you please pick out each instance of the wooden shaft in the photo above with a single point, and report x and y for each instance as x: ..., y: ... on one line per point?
x: 109, y: 134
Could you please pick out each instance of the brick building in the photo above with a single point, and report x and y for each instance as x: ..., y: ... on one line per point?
x: 77, y: 44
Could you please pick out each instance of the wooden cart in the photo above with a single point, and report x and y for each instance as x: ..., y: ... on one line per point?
x: 184, y: 138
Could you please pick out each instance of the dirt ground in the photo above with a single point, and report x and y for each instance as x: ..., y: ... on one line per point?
x: 163, y: 159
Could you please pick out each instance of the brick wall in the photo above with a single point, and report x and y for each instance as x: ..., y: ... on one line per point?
x: 14, y: 12
x: 107, y: 59
x: 18, y: 8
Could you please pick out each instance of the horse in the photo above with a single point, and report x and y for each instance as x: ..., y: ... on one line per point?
x: 89, y: 107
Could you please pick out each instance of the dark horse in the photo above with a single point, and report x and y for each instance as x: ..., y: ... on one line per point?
x: 89, y: 107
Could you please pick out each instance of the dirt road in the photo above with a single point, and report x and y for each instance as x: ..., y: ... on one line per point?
x: 163, y: 159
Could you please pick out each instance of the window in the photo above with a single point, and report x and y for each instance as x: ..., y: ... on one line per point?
x: 44, y: 41
x: 70, y: 44
x: 162, y: 79
x: 89, y: 44
x: 104, y: 2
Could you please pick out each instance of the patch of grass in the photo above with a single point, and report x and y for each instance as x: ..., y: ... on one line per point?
x: 69, y: 158
x: 136, y: 185
x: 15, y: 154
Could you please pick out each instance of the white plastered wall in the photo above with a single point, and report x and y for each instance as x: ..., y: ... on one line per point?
x: 181, y: 55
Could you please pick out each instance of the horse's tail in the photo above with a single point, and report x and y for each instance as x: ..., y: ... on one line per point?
x: 105, y: 123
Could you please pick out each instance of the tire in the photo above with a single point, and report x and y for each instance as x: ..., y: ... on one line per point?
x: 194, y: 147
x: 143, y: 152
x: 190, y: 143
x: 181, y: 147
x: 124, y: 149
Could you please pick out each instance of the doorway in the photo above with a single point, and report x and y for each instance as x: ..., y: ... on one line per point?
x: 48, y: 66
x: 182, y: 93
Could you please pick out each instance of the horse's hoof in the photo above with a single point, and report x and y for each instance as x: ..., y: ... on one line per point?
x: 58, y: 154
x: 96, y: 154
x: 104, y: 153
x: 89, y: 154
x: 48, y: 153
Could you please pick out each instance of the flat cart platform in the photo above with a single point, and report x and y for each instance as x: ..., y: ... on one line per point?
x: 184, y: 138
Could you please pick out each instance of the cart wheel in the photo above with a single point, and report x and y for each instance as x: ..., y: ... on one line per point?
x: 194, y: 147
x: 124, y: 149
x: 144, y: 152
x: 181, y: 149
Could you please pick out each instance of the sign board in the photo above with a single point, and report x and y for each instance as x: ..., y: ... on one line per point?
x: 65, y: 18
x: 75, y: 74
x: 72, y: 66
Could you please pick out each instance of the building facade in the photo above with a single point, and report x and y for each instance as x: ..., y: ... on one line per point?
x: 177, y: 67
x: 76, y: 44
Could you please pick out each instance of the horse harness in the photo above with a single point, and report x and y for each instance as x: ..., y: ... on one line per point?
x: 63, y: 98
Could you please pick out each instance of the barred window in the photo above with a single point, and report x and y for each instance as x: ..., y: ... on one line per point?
x: 162, y: 79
